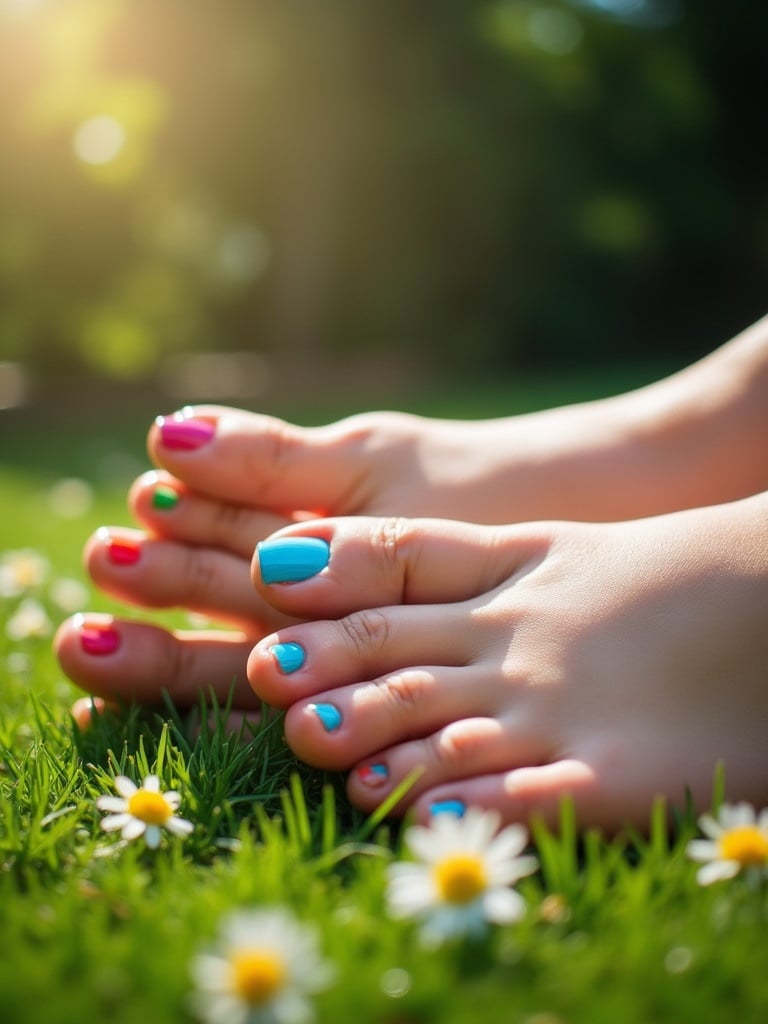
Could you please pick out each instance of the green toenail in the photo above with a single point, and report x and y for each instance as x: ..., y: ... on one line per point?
x: 164, y: 497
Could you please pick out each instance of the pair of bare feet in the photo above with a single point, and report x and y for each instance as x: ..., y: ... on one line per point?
x: 508, y: 664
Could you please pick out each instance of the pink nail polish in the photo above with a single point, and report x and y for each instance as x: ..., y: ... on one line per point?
x: 99, y: 639
x: 123, y: 552
x: 182, y: 434
x: 373, y: 775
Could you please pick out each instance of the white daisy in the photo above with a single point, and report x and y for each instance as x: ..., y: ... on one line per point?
x: 463, y: 875
x: 264, y: 966
x: 30, y: 619
x: 737, y: 840
x: 142, y: 811
x: 21, y: 571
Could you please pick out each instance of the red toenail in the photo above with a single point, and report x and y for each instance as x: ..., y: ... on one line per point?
x: 123, y: 552
x: 373, y: 775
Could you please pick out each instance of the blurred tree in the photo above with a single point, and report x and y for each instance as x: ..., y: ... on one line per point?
x: 497, y: 183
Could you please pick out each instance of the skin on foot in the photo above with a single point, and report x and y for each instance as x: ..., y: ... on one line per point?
x: 512, y: 665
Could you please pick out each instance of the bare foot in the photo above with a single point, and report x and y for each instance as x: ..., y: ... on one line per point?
x: 512, y: 665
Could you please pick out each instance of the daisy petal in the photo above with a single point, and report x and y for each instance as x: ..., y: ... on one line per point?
x: 503, y: 906
x: 152, y: 836
x: 179, y: 826
x: 112, y: 803
x: 125, y: 787
x: 717, y: 871
x: 134, y: 828
x: 115, y: 821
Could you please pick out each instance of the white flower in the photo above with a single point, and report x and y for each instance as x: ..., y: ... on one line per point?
x: 29, y: 619
x: 738, y: 839
x: 142, y: 811
x: 21, y: 571
x: 70, y: 595
x: 463, y: 875
x: 263, y: 968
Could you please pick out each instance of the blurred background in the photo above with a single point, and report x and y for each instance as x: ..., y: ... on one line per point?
x: 231, y: 199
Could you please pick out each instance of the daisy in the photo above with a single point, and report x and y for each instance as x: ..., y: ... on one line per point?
x: 265, y: 965
x: 21, y: 571
x: 142, y: 811
x: 29, y: 620
x: 737, y: 840
x: 463, y: 875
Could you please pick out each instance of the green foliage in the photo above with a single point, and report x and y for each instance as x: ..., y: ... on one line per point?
x: 474, y: 183
x: 616, y: 929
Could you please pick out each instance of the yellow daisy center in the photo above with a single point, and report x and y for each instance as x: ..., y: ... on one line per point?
x: 745, y: 844
x: 150, y: 807
x: 258, y: 974
x: 460, y: 878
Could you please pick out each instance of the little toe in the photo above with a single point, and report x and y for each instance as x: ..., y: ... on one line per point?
x: 461, y: 751
x: 119, y: 660
x: 525, y: 794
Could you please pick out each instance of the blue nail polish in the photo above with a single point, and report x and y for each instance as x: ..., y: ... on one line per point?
x: 292, y: 559
x: 328, y: 714
x: 455, y: 807
x: 289, y: 656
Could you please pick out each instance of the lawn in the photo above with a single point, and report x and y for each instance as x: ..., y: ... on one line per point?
x: 94, y: 929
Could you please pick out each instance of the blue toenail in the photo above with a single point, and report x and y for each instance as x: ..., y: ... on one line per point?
x: 292, y: 559
x: 289, y: 656
x: 328, y: 714
x: 455, y: 807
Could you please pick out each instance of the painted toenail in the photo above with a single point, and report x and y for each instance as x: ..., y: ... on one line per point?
x: 289, y: 656
x: 456, y: 807
x: 164, y: 498
x: 119, y: 550
x: 373, y: 775
x: 97, y: 639
x: 184, y: 434
x: 292, y: 559
x: 328, y: 714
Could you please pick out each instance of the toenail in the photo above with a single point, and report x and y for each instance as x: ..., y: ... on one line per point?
x: 164, y: 497
x: 373, y: 775
x: 329, y: 715
x: 292, y: 559
x: 456, y: 807
x: 185, y: 433
x: 119, y: 550
x: 96, y: 639
x: 289, y: 656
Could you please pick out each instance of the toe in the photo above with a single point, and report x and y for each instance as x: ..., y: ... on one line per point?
x: 343, y: 565
x: 167, y: 507
x: 121, y: 660
x: 460, y: 751
x: 143, y: 570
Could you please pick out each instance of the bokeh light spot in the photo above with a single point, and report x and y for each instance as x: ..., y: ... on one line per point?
x: 555, y: 31
x: 98, y: 140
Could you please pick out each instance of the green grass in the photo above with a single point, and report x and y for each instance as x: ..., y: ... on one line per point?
x: 615, y: 931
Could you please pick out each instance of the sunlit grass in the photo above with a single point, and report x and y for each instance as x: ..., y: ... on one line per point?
x: 92, y: 929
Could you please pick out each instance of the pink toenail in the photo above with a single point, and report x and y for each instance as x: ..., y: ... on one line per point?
x: 185, y: 433
x: 373, y: 775
x: 99, y: 640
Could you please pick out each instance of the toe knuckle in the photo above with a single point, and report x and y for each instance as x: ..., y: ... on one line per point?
x: 390, y: 544
x: 405, y: 690
x: 367, y: 631
x: 199, y: 575
x: 454, y: 747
